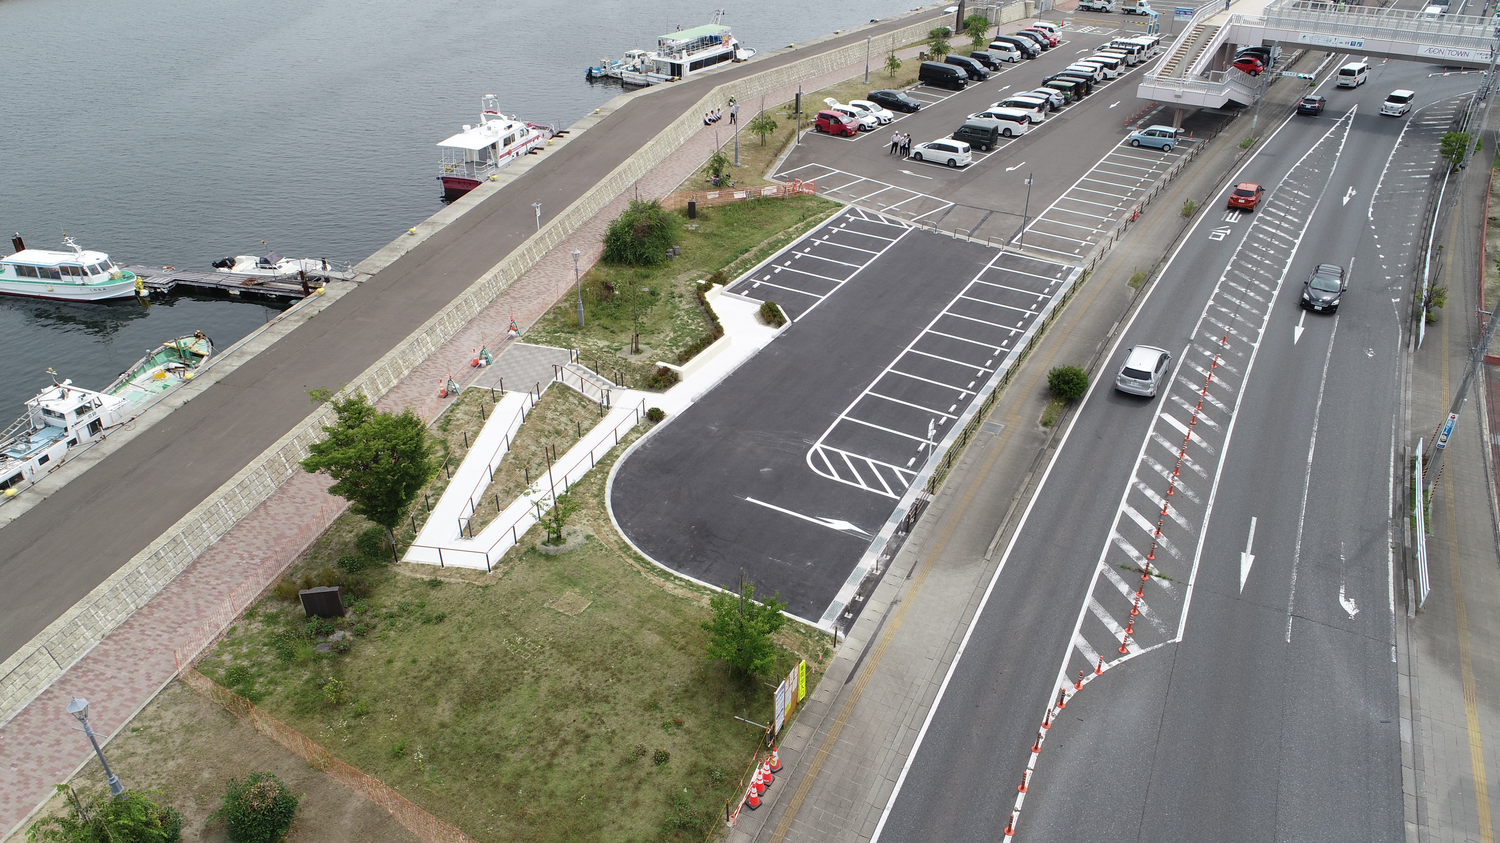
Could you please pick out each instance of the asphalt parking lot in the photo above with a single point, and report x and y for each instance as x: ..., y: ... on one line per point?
x: 790, y: 467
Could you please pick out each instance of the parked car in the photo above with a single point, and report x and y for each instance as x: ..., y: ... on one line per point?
x: 1144, y: 371
x: 1069, y: 89
x: 1004, y: 51
x: 865, y: 120
x: 1054, y: 99
x: 1249, y: 64
x: 895, y: 101
x: 951, y: 152
x: 991, y: 63
x: 1049, y: 26
x: 835, y: 123
x: 1048, y: 35
x: 1036, y: 38
x: 1087, y: 68
x: 1026, y: 46
x: 1082, y: 79
x: 1096, y: 6
x: 1323, y: 290
x: 1034, y: 106
x: 1268, y: 55
x: 1246, y: 195
x: 983, y: 135
x: 942, y: 75
x: 1161, y: 137
x: 1312, y: 106
x: 976, y: 71
x: 1398, y: 103
x: 881, y: 115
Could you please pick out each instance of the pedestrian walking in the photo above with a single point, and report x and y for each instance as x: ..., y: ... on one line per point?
x: 895, y: 142
x: 734, y: 114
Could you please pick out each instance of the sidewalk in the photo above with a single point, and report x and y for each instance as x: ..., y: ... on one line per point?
x: 1448, y: 651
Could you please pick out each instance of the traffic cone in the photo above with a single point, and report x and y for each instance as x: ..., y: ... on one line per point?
x: 474, y: 361
x: 752, y: 798
x: 766, y: 777
x: 1025, y: 774
x: 443, y: 388
x: 775, y: 760
x: 1010, y: 827
x: 1100, y: 669
x: 759, y: 782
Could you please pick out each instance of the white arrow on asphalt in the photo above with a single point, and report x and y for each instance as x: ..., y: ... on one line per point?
x: 1247, y: 558
x: 1347, y: 603
x: 1112, y: 106
x: 1297, y: 331
x: 1348, y: 196
x: 1002, y: 90
x: 918, y: 175
x: 1017, y: 167
x: 831, y: 523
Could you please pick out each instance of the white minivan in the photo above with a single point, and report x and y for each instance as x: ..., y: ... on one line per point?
x: 1004, y: 52
x: 1353, y: 74
x: 1112, y: 66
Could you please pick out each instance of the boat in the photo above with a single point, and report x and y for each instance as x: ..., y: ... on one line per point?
x: 163, y: 369
x: 481, y: 151
x: 270, y: 265
x: 60, y: 418
x: 677, y: 55
x: 73, y: 275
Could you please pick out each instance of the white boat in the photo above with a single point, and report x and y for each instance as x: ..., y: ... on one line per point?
x: 479, y: 152
x: 270, y: 265
x: 62, y: 417
x: 677, y: 55
x: 73, y: 275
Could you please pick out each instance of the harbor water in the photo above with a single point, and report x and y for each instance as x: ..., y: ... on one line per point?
x: 177, y: 132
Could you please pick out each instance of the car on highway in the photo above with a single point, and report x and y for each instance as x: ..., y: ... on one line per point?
x: 835, y: 123
x: 881, y: 115
x: 1144, y: 371
x: 1324, y: 289
x: 1246, y: 195
x: 1398, y: 103
x: 1161, y: 137
x: 951, y: 152
x: 895, y: 101
x: 1312, y: 106
x: 1249, y: 64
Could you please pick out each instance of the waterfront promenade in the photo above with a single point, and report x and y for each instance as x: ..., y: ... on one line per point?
x: 66, y: 545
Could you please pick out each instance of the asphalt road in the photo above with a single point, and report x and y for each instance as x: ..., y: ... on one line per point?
x: 1262, y: 708
x: 61, y: 549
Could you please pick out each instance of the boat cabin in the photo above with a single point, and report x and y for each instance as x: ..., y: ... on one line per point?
x: 58, y: 419
x: 691, y: 50
x: 79, y: 266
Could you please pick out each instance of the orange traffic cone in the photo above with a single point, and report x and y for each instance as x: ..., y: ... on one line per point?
x: 1010, y: 827
x: 775, y: 761
x: 443, y: 388
x: 752, y: 799
x: 758, y: 784
x: 766, y: 777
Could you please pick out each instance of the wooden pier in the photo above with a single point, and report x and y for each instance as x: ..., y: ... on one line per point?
x: 166, y: 279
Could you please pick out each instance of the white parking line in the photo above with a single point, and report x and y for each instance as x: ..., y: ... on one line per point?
x: 996, y: 304
x: 909, y: 404
x: 964, y: 363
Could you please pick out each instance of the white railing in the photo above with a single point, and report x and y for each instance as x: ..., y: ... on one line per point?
x: 1419, y: 533
x: 1377, y: 22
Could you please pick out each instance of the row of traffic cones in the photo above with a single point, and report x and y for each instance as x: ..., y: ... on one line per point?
x: 765, y: 774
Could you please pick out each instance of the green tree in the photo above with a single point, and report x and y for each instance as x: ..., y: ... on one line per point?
x: 741, y: 629
x: 977, y: 27
x: 1067, y: 382
x: 717, y: 165
x: 379, y: 461
x: 763, y: 126
x: 563, y: 508
x: 892, y: 65
x: 1454, y: 146
x: 937, y: 43
x: 257, y: 810
x: 97, y: 818
x: 641, y: 235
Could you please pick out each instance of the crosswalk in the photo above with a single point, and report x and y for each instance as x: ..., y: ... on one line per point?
x: 1144, y: 576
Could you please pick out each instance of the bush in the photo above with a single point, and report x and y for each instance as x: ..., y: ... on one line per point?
x: 286, y: 590
x: 257, y: 810
x: 1189, y: 208
x: 371, y: 542
x: 1068, y: 382
x: 660, y: 757
x: 656, y: 414
x: 772, y: 314
x: 641, y: 235
x: 663, y: 378
x: 354, y: 563
x: 100, y: 819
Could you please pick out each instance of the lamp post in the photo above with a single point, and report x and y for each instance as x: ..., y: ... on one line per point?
x: 1026, y: 214
x: 577, y: 279
x: 79, y: 708
x: 867, y: 59
x: 537, y: 206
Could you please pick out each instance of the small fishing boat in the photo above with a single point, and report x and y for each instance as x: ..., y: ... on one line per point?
x: 73, y: 275
x: 60, y: 418
x: 163, y: 369
x: 480, y: 152
x: 271, y: 265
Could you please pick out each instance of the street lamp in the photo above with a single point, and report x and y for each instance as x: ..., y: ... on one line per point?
x: 79, y: 708
x: 537, y: 206
x: 867, y: 58
x: 1026, y: 214
x: 579, y: 281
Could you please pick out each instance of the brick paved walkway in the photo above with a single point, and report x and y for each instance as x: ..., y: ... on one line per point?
x: 38, y: 747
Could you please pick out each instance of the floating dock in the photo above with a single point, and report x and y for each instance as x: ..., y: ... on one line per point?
x: 166, y: 279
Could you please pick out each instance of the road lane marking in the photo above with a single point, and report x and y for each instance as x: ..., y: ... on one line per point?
x: 1312, y: 444
x: 831, y: 523
x: 1247, y: 558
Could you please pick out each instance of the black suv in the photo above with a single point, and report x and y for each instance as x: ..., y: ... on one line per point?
x: 894, y: 100
x: 1311, y: 105
x: 1322, y: 291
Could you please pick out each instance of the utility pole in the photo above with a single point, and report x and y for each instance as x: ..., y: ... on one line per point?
x: 1026, y: 214
x: 867, y: 58
x: 1435, y: 464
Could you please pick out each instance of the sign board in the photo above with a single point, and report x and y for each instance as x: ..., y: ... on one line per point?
x: 1442, y: 439
x: 1329, y: 40
x: 1183, y: 13
x: 792, y: 690
x: 801, y: 681
x: 1454, y: 53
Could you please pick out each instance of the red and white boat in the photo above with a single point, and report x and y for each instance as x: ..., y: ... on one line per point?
x: 480, y: 152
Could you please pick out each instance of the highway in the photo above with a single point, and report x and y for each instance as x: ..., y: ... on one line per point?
x: 1256, y: 697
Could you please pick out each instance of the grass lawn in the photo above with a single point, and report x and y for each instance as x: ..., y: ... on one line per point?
x: 728, y: 240
x: 560, y: 698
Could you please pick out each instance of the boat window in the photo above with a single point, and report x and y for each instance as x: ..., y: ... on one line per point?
x: 10, y: 482
x: 509, y: 139
x: 92, y: 269
x: 26, y: 271
x: 49, y: 272
x: 43, y: 460
x: 72, y: 270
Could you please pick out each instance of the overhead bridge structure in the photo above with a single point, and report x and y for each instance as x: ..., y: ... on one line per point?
x: 1197, y: 71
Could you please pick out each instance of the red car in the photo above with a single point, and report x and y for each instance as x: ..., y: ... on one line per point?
x: 1246, y: 195
x: 835, y: 123
x: 1050, y: 37
x: 1249, y: 64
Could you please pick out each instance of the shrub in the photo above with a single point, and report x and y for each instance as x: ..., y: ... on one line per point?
x: 257, y: 810
x: 354, y: 563
x: 660, y: 757
x: 663, y: 378
x: 1189, y: 208
x: 1068, y: 382
x: 97, y: 818
x: 371, y: 542
x: 641, y: 235
x: 772, y: 314
x: 286, y: 590
x: 656, y: 414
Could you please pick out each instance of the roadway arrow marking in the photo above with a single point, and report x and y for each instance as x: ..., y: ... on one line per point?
x: 831, y: 523
x: 1017, y: 167
x: 1345, y: 601
x: 1297, y: 331
x: 1112, y: 106
x: 1247, y: 558
x: 1348, y: 196
x: 1002, y: 90
x: 918, y: 175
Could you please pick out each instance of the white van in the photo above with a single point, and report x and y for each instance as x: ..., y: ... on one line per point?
x: 1035, y: 106
x: 1118, y: 55
x: 1135, y: 53
x: 1093, y: 71
x: 1013, y: 121
x: 1004, y: 52
x: 1113, y: 66
x: 1151, y: 43
x: 1353, y: 74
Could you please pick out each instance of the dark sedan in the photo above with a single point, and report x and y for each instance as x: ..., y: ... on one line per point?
x: 894, y: 100
x: 1312, y: 106
x: 1324, y: 289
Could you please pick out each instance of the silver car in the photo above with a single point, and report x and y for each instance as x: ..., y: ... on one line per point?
x: 1144, y: 371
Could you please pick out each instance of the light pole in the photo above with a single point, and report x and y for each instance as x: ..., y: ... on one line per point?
x: 537, y: 206
x: 79, y: 708
x: 867, y: 59
x: 1026, y: 214
x: 577, y: 279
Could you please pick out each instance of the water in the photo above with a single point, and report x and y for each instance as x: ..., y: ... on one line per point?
x: 182, y: 131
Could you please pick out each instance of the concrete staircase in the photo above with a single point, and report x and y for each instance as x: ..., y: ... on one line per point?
x: 1188, y: 49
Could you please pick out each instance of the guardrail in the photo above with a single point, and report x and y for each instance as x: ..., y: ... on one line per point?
x: 1468, y: 31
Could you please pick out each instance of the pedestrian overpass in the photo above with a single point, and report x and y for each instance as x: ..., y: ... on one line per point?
x: 1196, y: 70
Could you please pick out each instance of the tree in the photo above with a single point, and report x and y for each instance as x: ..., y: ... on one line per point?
x: 1455, y: 147
x: 97, y: 818
x: 717, y: 165
x: 763, y: 126
x: 563, y: 507
x: 741, y: 629
x: 937, y: 43
x: 977, y: 27
x: 1067, y: 382
x: 632, y: 293
x: 257, y: 810
x: 892, y: 65
x: 379, y: 461
x: 641, y: 235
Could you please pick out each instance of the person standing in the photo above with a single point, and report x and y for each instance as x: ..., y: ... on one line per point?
x: 905, y: 145
x: 734, y: 114
x: 895, y: 142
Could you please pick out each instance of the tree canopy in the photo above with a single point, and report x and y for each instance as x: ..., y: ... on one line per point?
x: 741, y: 629
x: 379, y: 461
x: 641, y: 235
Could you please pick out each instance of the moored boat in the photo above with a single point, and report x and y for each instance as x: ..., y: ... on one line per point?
x: 60, y: 418
x: 677, y: 55
x: 163, y: 369
x: 73, y: 275
x: 480, y: 152
x: 270, y: 265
